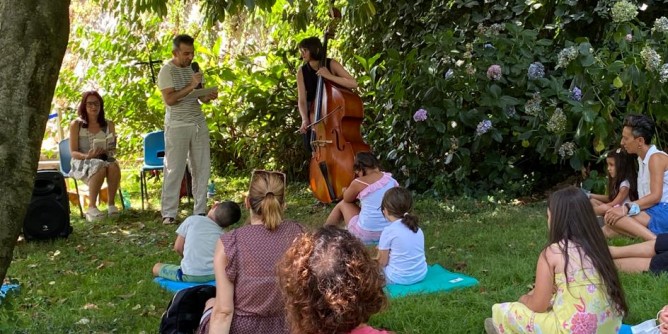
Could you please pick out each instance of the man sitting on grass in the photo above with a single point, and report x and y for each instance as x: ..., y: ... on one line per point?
x: 196, y: 243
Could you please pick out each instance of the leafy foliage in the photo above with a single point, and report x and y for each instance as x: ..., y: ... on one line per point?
x: 492, y: 127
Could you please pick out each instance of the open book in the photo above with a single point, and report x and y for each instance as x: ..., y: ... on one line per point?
x: 107, y: 143
x: 197, y: 93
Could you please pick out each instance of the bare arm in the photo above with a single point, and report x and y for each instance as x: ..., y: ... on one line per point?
x: 538, y: 300
x: 338, y: 75
x: 301, y: 101
x: 383, y: 257
x: 621, y: 196
x: 223, y: 309
x: 599, y: 197
x: 172, y: 96
x: 178, y: 244
x: 350, y: 194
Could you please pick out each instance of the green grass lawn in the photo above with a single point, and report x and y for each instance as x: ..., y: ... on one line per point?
x: 99, y: 280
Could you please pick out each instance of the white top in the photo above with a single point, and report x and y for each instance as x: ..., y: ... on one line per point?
x: 370, y: 217
x: 643, y: 176
x: 188, y: 110
x: 201, y: 234
x: 407, y: 263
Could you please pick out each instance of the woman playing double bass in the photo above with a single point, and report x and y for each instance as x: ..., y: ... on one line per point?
x: 311, y: 51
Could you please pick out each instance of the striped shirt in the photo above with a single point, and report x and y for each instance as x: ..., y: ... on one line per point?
x: 188, y: 110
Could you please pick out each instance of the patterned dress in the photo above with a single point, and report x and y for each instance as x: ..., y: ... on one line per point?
x: 581, y: 307
x: 253, y: 252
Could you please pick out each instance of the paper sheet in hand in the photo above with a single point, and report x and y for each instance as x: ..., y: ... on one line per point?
x: 202, y: 92
x: 104, y: 143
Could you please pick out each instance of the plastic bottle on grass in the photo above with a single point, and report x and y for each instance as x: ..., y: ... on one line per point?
x: 211, y: 190
x: 126, y: 199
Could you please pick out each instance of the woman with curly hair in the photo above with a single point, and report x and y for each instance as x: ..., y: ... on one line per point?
x: 330, y: 284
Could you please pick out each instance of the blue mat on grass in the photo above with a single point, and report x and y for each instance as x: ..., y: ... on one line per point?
x: 625, y: 329
x: 6, y: 288
x: 175, y: 286
x: 438, y: 279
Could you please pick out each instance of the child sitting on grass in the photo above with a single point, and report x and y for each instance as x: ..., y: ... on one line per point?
x: 330, y: 284
x: 577, y: 288
x: 196, y: 243
x: 401, y: 246
x: 622, y: 182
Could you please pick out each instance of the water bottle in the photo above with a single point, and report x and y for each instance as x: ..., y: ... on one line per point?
x: 126, y: 199
x: 211, y: 190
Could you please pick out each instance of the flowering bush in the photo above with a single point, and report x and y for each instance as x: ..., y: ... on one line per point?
x: 529, y: 97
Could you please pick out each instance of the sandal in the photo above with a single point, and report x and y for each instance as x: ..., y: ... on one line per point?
x: 93, y: 215
x: 168, y: 221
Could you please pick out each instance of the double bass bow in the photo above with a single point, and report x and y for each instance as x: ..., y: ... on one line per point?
x: 336, y: 136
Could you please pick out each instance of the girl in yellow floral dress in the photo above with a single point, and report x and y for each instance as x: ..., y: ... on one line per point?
x: 577, y: 289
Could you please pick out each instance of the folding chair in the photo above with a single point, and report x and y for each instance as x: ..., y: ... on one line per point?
x: 65, y: 158
x: 154, y: 156
x: 154, y: 159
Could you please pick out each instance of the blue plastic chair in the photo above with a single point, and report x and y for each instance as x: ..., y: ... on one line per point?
x: 154, y: 159
x: 65, y: 158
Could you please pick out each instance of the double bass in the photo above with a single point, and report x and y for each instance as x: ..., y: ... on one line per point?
x: 336, y: 116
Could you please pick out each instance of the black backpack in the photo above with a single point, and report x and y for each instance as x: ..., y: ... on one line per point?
x: 185, y: 310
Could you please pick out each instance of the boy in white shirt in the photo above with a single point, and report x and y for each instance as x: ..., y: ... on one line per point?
x: 196, y: 243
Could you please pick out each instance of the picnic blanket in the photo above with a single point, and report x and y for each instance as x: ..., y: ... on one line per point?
x: 438, y: 279
x: 175, y: 286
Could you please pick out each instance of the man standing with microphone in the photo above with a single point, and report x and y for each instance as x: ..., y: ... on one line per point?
x: 186, y: 132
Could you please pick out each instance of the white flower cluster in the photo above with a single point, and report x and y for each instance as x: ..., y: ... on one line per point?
x: 651, y: 58
x: 557, y: 123
x: 566, y: 150
x: 623, y: 11
x: 663, y: 74
x: 661, y: 25
x: 566, y: 56
x: 533, y: 107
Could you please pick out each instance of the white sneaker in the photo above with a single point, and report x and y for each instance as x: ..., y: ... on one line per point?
x: 93, y: 215
x: 112, y: 211
x: 168, y: 221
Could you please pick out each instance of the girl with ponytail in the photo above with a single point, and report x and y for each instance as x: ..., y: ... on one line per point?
x: 245, y: 264
x: 401, y: 245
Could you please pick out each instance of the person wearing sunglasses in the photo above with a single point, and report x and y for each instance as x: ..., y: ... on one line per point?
x: 90, y: 163
x: 648, y: 216
x: 365, y: 221
x: 248, y: 298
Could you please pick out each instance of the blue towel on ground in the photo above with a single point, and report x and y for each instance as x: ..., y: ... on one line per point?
x: 6, y: 288
x: 437, y: 279
x: 175, y: 286
x: 625, y: 329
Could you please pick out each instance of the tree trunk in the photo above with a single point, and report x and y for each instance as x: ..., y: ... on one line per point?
x: 33, y: 43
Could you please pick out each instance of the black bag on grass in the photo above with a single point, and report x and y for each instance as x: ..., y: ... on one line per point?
x: 185, y: 310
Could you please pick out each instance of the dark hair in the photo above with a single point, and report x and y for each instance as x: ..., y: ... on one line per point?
x: 182, y: 39
x: 83, y: 115
x: 641, y: 126
x: 267, y: 196
x: 313, y: 45
x: 329, y: 282
x: 227, y: 213
x: 625, y: 169
x: 364, y: 161
x: 573, y: 220
x: 398, y: 202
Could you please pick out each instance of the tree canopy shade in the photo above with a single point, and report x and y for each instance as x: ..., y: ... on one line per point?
x: 35, y: 34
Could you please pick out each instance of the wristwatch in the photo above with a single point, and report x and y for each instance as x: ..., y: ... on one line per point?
x: 633, y: 209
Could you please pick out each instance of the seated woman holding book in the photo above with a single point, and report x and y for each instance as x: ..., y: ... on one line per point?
x: 92, y: 143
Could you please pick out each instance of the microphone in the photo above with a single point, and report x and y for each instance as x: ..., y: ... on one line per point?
x: 195, y: 67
